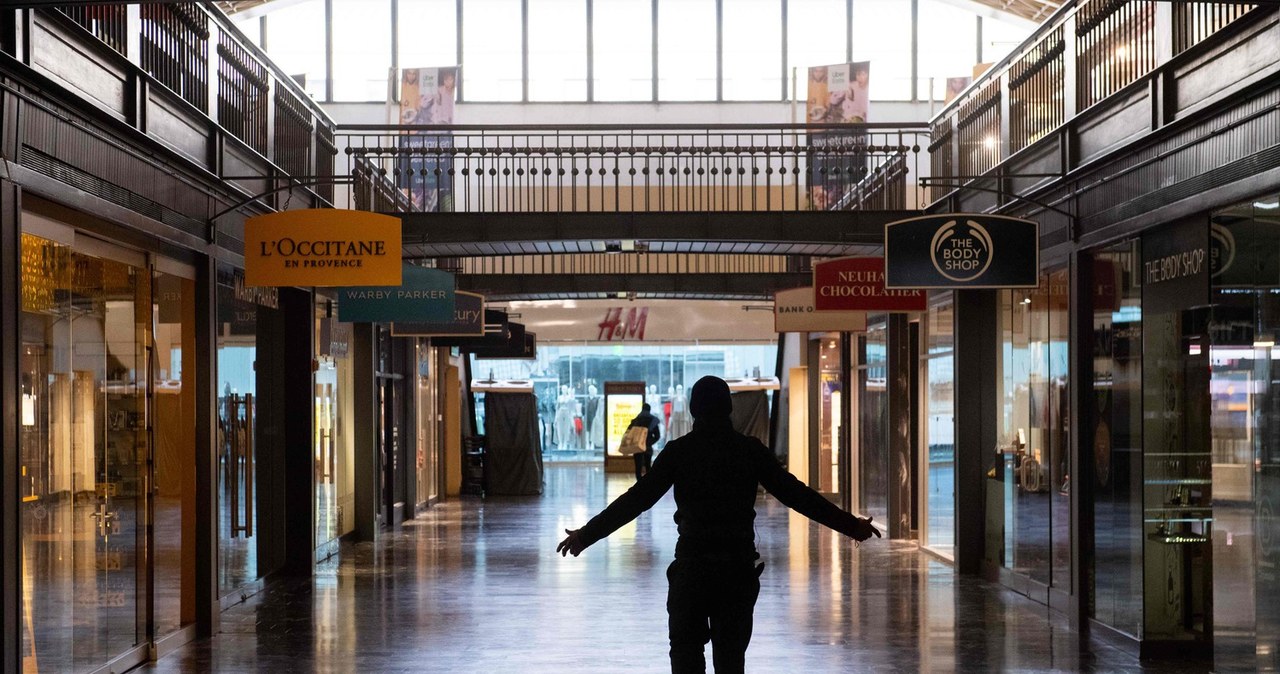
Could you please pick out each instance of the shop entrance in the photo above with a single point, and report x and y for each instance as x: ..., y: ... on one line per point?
x: 107, y: 450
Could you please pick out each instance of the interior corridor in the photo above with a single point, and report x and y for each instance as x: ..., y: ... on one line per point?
x: 475, y: 586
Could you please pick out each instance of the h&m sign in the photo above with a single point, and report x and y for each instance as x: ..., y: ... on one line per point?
x: 962, y: 250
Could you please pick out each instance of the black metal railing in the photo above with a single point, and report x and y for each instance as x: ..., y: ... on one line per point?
x: 109, y: 22
x: 1112, y: 44
x: 633, y: 168
x: 175, y: 49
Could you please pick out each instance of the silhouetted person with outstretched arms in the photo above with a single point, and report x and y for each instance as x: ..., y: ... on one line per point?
x: 715, y: 578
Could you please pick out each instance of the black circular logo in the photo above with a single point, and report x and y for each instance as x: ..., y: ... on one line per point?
x: 961, y: 251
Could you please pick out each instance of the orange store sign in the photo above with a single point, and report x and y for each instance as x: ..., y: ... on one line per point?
x: 857, y: 284
x: 322, y: 247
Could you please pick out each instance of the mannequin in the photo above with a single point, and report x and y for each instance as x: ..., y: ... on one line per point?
x: 655, y: 408
x: 681, y: 422
x: 564, y: 419
x: 593, y: 420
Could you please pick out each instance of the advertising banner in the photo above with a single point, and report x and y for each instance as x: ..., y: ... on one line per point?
x: 468, y: 320
x: 622, y: 402
x: 427, y: 96
x: 837, y: 94
x: 322, y: 247
x: 794, y: 311
x: 424, y: 295
x: 962, y: 250
x: 857, y: 284
x: 644, y: 321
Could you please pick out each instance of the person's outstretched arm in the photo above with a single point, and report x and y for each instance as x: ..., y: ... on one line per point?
x: 639, y: 498
x: 801, y: 498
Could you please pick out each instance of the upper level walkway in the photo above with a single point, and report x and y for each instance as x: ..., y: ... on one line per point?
x: 476, y: 586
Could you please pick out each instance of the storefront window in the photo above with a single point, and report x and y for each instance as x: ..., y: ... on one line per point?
x: 1033, y: 480
x: 938, y: 424
x: 1112, y: 428
x: 829, y: 413
x: 873, y: 420
x: 428, y: 405
x: 332, y: 427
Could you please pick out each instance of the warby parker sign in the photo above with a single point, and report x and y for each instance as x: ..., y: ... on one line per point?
x: 960, y: 250
x: 322, y: 247
x: 857, y: 284
x: 425, y: 295
x: 793, y: 311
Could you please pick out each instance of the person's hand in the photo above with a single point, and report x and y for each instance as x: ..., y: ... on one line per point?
x: 862, y: 529
x: 572, y: 544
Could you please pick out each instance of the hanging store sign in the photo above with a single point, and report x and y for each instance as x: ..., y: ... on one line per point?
x: 794, y: 311
x: 857, y: 284
x: 961, y: 250
x: 1176, y: 266
x: 468, y: 320
x: 322, y: 247
x: 424, y: 295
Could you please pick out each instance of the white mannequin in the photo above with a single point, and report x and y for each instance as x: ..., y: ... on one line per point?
x: 655, y: 408
x: 564, y: 418
x: 594, y: 418
x: 681, y: 422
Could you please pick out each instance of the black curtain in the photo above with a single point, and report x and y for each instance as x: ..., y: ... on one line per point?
x: 751, y: 414
x: 513, y: 448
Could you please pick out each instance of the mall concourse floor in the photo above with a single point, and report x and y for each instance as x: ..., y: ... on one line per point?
x: 475, y: 586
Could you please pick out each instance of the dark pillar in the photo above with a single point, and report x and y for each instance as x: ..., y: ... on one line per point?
x: 10, y: 338
x: 364, y: 419
x: 847, y: 422
x: 898, y: 434
x: 297, y: 307
x: 1080, y: 379
x: 206, y: 502
x: 975, y: 415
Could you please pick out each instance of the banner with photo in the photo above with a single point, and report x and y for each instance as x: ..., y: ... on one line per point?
x: 837, y: 94
x: 427, y: 97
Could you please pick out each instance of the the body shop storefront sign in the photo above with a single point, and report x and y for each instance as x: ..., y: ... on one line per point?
x: 322, y: 248
x: 962, y: 250
x: 857, y: 284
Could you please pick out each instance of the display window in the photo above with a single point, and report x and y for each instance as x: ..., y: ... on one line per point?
x: 873, y: 419
x: 332, y: 427
x: 937, y: 425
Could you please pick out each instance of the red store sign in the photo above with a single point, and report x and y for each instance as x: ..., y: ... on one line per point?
x: 857, y: 284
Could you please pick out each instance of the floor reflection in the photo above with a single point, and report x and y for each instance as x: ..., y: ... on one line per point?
x: 475, y: 586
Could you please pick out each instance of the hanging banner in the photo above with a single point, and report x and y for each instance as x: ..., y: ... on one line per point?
x: 962, y: 250
x: 857, y: 284
x: 322, y: 247
x: 794, y: 311
x: 468, y: 320
x: 427, y: 96
x: 644, y: 321
x: 838, y: 159
x: 424, y: 295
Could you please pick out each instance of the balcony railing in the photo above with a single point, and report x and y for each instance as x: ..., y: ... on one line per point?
x: 633, y: 168
x: 1089, y: 51
x: 218, y: 83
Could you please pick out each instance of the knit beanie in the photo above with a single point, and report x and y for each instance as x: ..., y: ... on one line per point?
x: 710, y: 398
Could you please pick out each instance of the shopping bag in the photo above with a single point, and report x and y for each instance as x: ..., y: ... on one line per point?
x: 634, y: 441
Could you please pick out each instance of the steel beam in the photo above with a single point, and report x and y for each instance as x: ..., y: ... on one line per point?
x: 582, y: 286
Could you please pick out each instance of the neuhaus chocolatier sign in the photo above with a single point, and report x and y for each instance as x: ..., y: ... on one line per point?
x: 857, y: 284
x: 962, y: 250
x: 322, y: 247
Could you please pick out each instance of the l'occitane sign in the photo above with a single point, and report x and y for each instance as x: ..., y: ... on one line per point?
x: 322, y: 247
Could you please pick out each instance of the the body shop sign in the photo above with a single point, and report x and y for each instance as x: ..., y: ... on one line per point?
x: 425, y: 295
x: 857, y: 284
x: 322, y: 247
x: 961, y: 250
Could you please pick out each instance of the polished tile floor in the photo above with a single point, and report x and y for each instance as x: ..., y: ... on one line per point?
x: 475, y: 586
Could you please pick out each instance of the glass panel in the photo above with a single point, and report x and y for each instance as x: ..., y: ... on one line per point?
x: 295, y: 41
x: 829, y: 411
x: 252, y: 29
x: 816, y: 36
x: 361, y: 49
x: 939, y: 426
x: 947, y: 42
x: 1058, y: 440
x: 334, y: 442
x: 492, y: 44
x: 999, y: 38
x: 174, y: 361
x: 557, y: 50
x: 623, y: 42
x: 428, y: 428
x: 85, y: 323
x: 1113, y: 428
x: 428, y: 33
x: 882, y: 35
x: 752, y: 37
x: 873, y: 420
x: 687, y: 50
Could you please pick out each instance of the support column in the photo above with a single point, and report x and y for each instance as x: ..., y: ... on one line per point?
x: 206, y: 500
x: 10, y: 337
x: 1080, y: 380
x: 365, y: 426
x: 898, y: 434
x: 975, y: 419
x: 298, y: 309
x: 847, y: 422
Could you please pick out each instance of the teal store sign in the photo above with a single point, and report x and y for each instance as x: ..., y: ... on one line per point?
x: 423, y: 295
